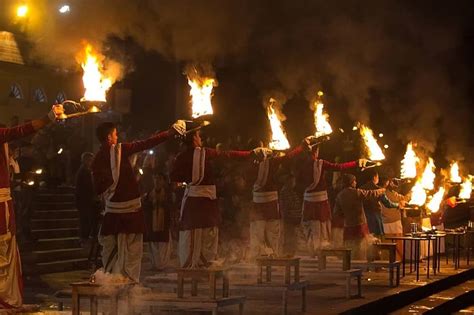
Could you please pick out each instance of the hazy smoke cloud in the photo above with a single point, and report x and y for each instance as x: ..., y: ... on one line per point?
x: 397, y: 58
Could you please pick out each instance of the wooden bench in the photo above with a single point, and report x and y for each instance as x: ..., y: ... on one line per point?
x: 169, y: 302
x: 196, y: 274
x: 392, y: 264
x: 278, y: 287
x: 348, y: 275
x: 344, y: 253
x: 97, y: 291
x: 268, y: 263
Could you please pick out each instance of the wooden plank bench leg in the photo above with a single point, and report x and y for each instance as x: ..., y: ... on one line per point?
x: 348, y: 287
x: 225, y: 286
x: 76, y: 306
x: 359, y: 286
x: 241, y: 308
x: 194, y: 287
x: 215, y: 311
x: 114, y: 307
x: 398, y: 275
x: 303, y: 298
x: 269, y: 273
x: 180, y: 285
x: 391, y: 276
x: 212, y: 286
x: 94, y: 304
x: 285, y: 302
x: 287, y: 274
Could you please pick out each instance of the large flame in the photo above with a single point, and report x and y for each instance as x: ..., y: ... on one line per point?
x: 373, y: 148
x: 408, y: 169
x: 454, y: 173
x: 434, y: 203
x: 201, y: 95
x: 428, y: 177
x: 418, y: 195
x: 466, y: 188
x: 321, y: 122
x: 96, y: 84
x: 279, y: 140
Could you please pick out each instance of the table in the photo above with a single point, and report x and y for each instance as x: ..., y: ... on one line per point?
x: 345, y: 253
x: 469, y: 235
x: 268, y: 263
x: 95, y: 291
x: 417, y: 241
x: 456, y: 247
x: 196, y: 274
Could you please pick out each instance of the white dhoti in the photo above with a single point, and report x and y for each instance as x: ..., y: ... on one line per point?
x: 198, y: 247
x: 264, y: 232
x: 359, y: 248
x: 11, y: 286
x: 318, y: 235
x: 337, y: 235
x: 160, y: 253
x: 122, y: 254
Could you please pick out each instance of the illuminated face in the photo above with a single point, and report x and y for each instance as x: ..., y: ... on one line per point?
x: 112, y: 138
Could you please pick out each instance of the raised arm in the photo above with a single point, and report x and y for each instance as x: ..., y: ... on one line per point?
x: 230, y: 154
x: 293, y: 153
x: 339, y: 166
x: 366, y: 194
x: 140, y: 145
x: 387, y: 203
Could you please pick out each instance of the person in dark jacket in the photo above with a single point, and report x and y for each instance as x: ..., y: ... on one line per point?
x: 85, y: 198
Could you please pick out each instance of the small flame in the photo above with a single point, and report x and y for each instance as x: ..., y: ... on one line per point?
x: 373, y: 148
x: 408, y: 169
x: 428, y: 177
x: 201, y: 95
x: 454, y: 173
x: 279, y: 140
x: 96, y: 84
x: 321, y: 122
x: 466, y: 188
x: 418, y: 195
x: 435, y: 202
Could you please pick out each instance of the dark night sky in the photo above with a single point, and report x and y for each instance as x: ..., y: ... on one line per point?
x: 403, y: 67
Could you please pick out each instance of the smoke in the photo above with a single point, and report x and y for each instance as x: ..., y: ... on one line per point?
x: 383, y: 61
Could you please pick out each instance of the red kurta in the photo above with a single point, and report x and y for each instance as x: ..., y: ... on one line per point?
x: 320, y: 211
x: 200, y: 212
x: 127, y: 187
x: 269, y: 210
x: 6, y: 135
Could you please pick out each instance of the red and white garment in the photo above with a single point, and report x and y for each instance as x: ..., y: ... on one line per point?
x: 311, y: 195
x: 128, y: 206
x: 194, y: 188
x: 260, y: 196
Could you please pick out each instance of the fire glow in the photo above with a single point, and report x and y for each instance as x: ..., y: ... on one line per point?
x: 201, y: 95
x: 96, y: 84
x: 454, y: 173
x: 373, y: 148
x: 466, y: 188
x: 279, y: 140
x: 408, y: 169
x: 321, y: 121
x: 428, y: 177
x: 418, y: 195
x: 435, y: 202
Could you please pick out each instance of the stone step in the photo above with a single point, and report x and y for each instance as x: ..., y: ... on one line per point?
x: 52, y: 205
x: 56, y: 243
x: 56, y: 214
x: 57, y: 266
x: 55, y: 233
x: 45, y: 197
x: 43, y: 256
x: 54, y: 223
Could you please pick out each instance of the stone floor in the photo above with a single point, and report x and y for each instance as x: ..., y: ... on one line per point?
x: 322, y: 298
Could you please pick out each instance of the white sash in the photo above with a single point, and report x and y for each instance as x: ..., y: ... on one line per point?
x: 194, y: 189
x: 317, y: 170
x: 316, y: 196
x: 4, y: 198
x: 118, y: 206
x: 265, y: 196
x: 262, y: 177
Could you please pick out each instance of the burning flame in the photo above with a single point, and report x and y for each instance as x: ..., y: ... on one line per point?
x: 454, y: 173
x: 428, y: 177
x: 435, y: 202
x: 408, y: 169
x: 321, y: 122
x: 466, y: 188
x: 418, y: 195
x: 279, y: 140
x: 373, y: 149
x: 96, y: 84
x: 201, y: 95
